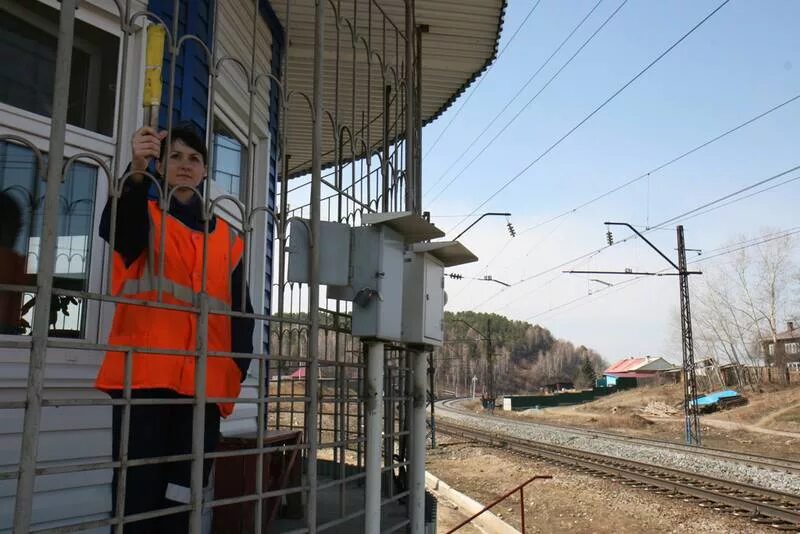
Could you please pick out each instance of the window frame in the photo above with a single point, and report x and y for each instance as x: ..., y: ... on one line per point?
x: 260, y: 153
x: 35, y: 128
x: 220, y: 120
x: 221, y: 124
x: 91, y: 112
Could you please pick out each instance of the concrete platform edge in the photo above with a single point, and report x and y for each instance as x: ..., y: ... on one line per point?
x: 486, y: 521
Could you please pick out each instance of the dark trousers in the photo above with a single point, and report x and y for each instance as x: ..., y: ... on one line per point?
x: 160, y: 430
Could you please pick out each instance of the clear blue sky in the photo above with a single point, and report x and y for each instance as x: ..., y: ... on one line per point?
x: 741, y: 62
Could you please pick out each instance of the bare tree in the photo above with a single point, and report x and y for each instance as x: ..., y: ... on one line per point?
x: 745, y: 298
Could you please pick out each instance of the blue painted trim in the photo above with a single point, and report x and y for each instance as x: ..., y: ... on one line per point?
x: 191, y: 66
x: 278, y: 40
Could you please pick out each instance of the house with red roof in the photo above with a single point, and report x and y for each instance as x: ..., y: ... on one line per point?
x: 639, y: 369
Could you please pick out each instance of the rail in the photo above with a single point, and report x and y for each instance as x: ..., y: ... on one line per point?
x: 781, y: 510
x: 766, y: 462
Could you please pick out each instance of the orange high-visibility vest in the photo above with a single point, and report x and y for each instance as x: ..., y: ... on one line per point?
x: 156, y: 328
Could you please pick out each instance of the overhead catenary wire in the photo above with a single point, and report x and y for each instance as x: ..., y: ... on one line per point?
x: 626, y: 283
x: 561, y: 216
x: 728, y: 196
x: 733, y: 201
x: 583, y: 121
x: 498, y: 254
x: 709, y: 253
x: 517, y: 95
x: 528, y: 103
x: 706, y: 207
x: 663, y: 165
x: 684, y: 215
x: 480, y: 81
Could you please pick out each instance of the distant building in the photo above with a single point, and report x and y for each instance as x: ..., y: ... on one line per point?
x: 784, y: 347
x: 643, y: 370
x: 556, y: 384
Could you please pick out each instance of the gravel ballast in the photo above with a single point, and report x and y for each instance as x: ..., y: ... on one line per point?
x: 683, y: 461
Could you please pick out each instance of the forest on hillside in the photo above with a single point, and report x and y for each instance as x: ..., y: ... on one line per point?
x: 526, y: 356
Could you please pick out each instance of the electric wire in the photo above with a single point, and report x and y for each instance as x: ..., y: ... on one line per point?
x: 516, y: 95
x: 595, y: 111
x: 728, y: 196
x: 663, y: 165
x: 704, y: 208
x: 525, y: 106
x: 480, y: 81
x: 660, y: 167
x: 726, y: 250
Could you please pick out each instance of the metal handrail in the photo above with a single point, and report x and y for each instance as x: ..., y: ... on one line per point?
x: 501, y: 499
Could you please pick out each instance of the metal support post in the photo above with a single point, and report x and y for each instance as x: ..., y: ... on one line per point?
x: 385, y: 179
x: 411, y: 178
x: 374, y: 423
x: 420, y: 377
x: 689, y: 377
x: 692, y: 425
x: 312, y: 376
x: 418, y: 118
x: 388, y: 426
x: 46, y: 268
x: 432, y: 393
x: 199, y: 411
x: 490, y: 364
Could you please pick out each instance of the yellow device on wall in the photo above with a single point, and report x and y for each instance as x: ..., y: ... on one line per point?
x: 154, y: 58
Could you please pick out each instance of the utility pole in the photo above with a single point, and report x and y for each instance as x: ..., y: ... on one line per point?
x: 689, y: 377
x: 489, y: 357
x: 692, y: 424
x: 490, y: 364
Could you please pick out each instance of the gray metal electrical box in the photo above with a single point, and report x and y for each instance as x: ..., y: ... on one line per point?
x: 334, y: 252
x: 423, y: 285
x: 377, y: 282
x: 376, y: 272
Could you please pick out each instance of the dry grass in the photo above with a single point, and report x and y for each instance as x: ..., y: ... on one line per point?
x: 628, y: 421
x: 635, y: 399
x: 764, y: 402
x: 788, y: 420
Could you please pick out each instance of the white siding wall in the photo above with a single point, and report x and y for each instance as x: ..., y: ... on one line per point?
x: 76, y: 434
x: 234, y: 39
x: 234, y: 31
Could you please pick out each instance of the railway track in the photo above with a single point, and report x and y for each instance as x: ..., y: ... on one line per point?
x: 759, y: 505
x: 781, y: 465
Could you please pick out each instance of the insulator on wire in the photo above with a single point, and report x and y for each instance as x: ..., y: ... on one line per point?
x: 455, y: 276
x: 610, y: 238
x: 511, y: 229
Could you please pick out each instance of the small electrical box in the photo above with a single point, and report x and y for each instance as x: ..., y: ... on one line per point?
x: 388, y: 268
x: 377, y: 282
x: 376, y: 272
x: 334, y: 252
x: 423, y: 289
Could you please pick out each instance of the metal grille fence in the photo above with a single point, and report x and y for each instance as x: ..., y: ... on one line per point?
x: 358, y: 122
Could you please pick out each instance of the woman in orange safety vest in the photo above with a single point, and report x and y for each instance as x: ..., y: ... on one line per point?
x: 166, y: 429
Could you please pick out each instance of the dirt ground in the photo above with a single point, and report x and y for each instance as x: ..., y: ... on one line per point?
x: 569, y: 502
x: 769, y: 424
x: 575, y: 503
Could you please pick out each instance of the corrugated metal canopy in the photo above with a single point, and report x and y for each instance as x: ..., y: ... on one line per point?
x: 459, y: 45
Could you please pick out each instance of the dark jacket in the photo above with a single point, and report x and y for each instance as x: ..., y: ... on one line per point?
x: 131, y: 236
